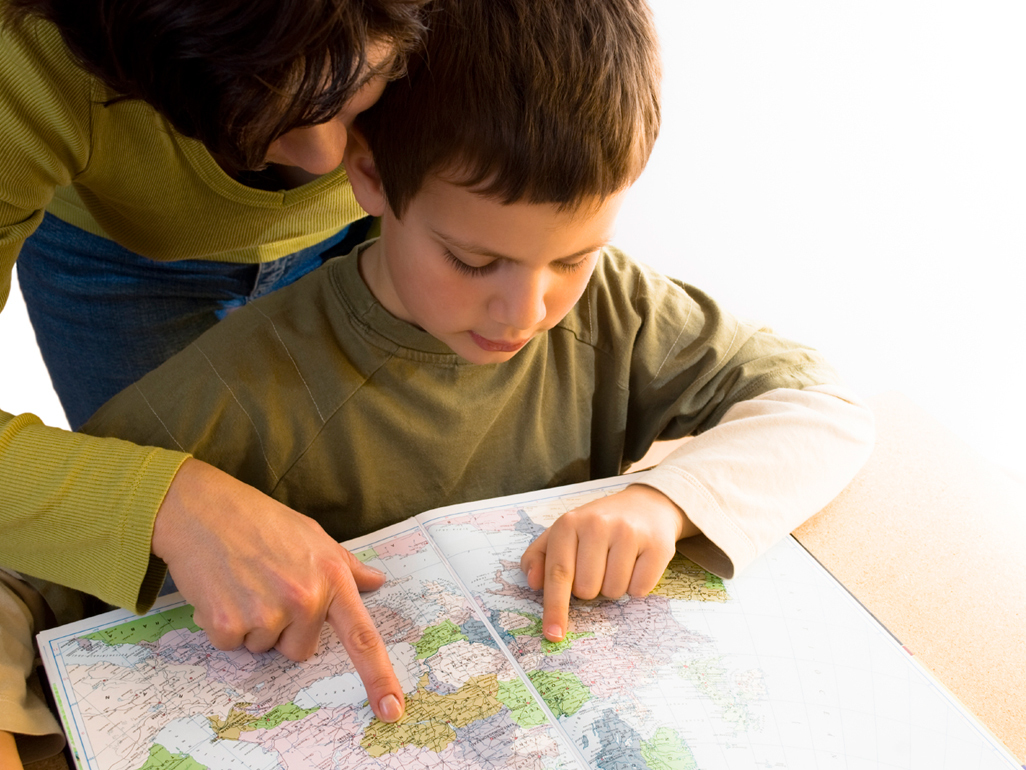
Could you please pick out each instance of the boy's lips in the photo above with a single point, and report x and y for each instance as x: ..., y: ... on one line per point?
x: 497, y: 346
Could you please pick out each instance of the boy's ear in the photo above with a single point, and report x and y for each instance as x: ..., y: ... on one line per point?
x: 363, y: 173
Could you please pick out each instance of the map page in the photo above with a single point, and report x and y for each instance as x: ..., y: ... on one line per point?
x: 778, y: 668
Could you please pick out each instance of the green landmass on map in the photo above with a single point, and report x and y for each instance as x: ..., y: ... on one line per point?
x: 366, y: 554
x: 683, y: 579
x: 524, y: 709
x: 562, y: 691
x: 148, y: 629
x: 547, y: 647
x: 436, y: 637
x: 162, y: 759
x: 431, y: 719
x: 239, y: 720
x: 667, y: 751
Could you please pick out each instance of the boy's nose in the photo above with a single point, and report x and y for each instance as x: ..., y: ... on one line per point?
x: 522, y: 304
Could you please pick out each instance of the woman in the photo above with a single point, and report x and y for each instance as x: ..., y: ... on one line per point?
x: 162, y: 162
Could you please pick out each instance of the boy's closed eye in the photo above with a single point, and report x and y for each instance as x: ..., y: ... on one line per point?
x: 468, y: 269
x: 563, y: 266
x: 575, y: 265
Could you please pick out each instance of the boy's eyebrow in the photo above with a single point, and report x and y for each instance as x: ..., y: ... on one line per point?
x: 483, y: 252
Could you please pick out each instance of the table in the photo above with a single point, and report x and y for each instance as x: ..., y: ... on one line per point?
x: 930, y: 538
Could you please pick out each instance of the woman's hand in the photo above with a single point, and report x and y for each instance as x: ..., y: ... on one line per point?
x: 261, y: 575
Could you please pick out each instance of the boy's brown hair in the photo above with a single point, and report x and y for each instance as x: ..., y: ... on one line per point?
x: 543, y: 101
x: 234, y: 74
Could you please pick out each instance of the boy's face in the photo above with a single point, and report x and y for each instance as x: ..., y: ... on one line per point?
x: 481, y: 276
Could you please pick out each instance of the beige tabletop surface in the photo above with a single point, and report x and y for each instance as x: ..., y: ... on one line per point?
x: 931, y: 539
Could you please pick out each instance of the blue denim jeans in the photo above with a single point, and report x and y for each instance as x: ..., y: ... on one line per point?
x: 104, y: 316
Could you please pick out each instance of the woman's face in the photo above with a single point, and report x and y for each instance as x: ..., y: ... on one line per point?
x: 319, y: 149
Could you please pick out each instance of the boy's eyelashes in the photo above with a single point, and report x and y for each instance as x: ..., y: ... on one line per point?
x: 573, y: 267
x: 463, y: 267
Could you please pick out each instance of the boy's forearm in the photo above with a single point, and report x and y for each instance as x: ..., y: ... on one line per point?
x: 771, y: 463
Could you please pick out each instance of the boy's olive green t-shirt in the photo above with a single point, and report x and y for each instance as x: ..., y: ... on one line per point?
x: 321, y: 398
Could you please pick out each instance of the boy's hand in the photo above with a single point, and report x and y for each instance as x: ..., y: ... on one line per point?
x: 262, y: 575
x: 615, y: 545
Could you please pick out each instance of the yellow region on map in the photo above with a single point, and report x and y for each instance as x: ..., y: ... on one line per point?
x: 431, y: 719
x: 232, y: 725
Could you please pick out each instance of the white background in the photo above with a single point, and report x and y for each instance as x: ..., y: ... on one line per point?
x: 851, y: 173
x: 854, y: 175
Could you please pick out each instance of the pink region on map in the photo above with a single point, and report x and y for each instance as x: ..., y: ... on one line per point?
x: 419, y: 758
x: 528, y: 645
x: 611, y: 662
x: 502, y: 519
x: 606, y: 671
x: 405, y: 545
x: 517, y: 592
x: 312, y: 741
x: 511, y: 621
x: 497, y: 520
x: 182, y: 639
x: 392, y: 626
x: 182, y: 646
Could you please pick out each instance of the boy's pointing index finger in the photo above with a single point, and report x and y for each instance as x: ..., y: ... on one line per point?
x: 549, y: 563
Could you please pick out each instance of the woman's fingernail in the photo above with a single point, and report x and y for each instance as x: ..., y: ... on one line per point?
x: 390, y: 709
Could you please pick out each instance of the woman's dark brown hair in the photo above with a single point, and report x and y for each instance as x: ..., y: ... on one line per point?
x: 234, y: 74
x: 543, y: 101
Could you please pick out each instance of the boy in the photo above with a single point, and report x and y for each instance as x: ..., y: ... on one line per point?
x: 490, y: 342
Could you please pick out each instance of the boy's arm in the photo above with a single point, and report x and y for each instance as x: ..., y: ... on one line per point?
x: 768, y: 465
x: 724, y: 497
x: 774, y: 435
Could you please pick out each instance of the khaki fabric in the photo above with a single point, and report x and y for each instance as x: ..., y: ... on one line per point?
x: 23, y: 711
